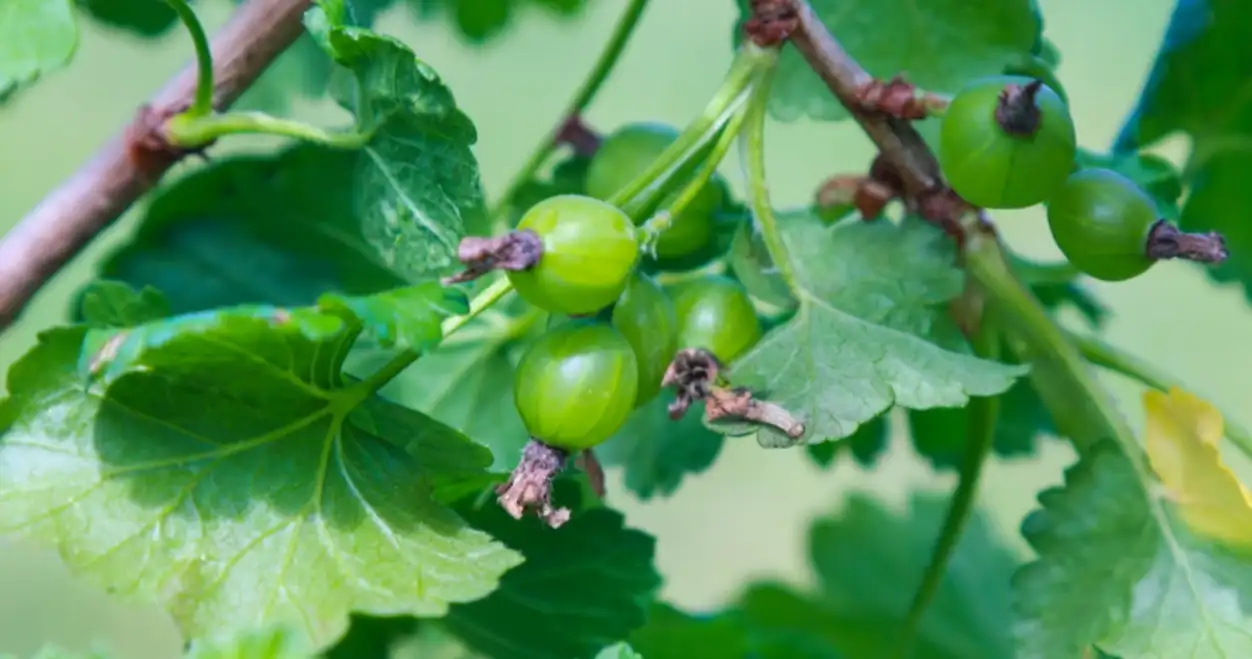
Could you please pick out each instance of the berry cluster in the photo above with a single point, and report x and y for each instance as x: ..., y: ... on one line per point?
x: 1009, y: 142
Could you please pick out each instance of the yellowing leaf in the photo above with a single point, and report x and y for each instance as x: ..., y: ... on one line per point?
x: 1182, y: 438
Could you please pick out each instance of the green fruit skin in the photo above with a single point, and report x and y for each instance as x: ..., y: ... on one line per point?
x: 1101, y: 221
x: 576, y: 385
x: 590, y: 249
x: 645, y: 315
x: 716, y: 314
x: 623, y: 156
x: 991, y: 168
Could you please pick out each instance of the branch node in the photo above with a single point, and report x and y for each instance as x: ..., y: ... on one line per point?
x: 897, y: 98
x: 530, y: 485
x: 516, y: 250
x: 582, y: 138
x: 1166, y: 241
x: 739, y: 403
x: 1017, y: 113
x: 772, y: 22
x: 148, y: 148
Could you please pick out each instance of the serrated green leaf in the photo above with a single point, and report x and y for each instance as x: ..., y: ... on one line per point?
x: 915, y: 37
x: 416, y: 184
x: 36, y: 38
x: 869, y: 560
x: 864, y: 337
x: 371, y: 637
x: 218, y: 463
x: 939, y: 435
x: 467, y: 381
x: 618, y: 651
x: 273, y: 643
x: 149, y: 18
x: 108, y: 303
x: 1149, y: 587
x: 247, y: 230
x: 866, y: 444
x: 658, y: 452
x: 408, y: 318
x: 583, y: 586
x: 674, y: 634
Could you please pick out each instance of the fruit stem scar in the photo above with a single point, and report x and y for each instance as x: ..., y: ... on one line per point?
x: 1017, y: 113
x: 530, y: 485
x: 515, y: 250
x: 1166, y: 241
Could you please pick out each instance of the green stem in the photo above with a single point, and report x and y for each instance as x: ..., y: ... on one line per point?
x: 582, y: 98
x: 202, y: 105
x: 481, y: 302
x: 983, y: 414
x: 1119, y: 361
x: 725, y: 140
x: 753, y: 155
x: 190, y: 131
x: 748, y: 64
x: 1082, y: 410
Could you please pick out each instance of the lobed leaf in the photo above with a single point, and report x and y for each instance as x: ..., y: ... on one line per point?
x: 674, y: 634
x: 866, y: 444
x: 869, y: 561
x: 870, y: 330
x: 246, y: 230
x: 912, y: 37
x: 1116, y: 569
x: 1194, y: 88
x: 409, y: 317
x: 658, y: 452
x: 467, y: 381
x: 583, y: 586
x: 36, y: 38
x: 416, y: 184
x: 1182, y: 437
x: 220, y: 464
x: 108, y: 303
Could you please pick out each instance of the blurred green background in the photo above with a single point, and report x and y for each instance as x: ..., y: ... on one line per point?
x: 757, y: 501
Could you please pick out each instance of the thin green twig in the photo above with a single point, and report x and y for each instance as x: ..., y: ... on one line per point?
x: 481, y: 302
x: 753, y: 156
x: 202, y: 104
x: 983, y: 414
x: 582, y: 98
x: 1119, y: 361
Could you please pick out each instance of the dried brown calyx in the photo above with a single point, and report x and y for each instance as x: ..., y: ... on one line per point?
x: 529, y: 487
x: 1166, y: 241
x: 1017, y: 113
x: 695, y: 374
x: 516, y: 250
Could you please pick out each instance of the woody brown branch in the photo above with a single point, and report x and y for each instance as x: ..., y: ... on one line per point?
x: 897, y: 140
x: 131, y: 164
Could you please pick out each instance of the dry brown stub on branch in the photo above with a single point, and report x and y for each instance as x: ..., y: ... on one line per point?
x: 695, y: 374
x: 513, y: 251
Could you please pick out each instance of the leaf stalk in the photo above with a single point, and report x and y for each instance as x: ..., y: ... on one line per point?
x: 202, y: 102
x: 190, y: 131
